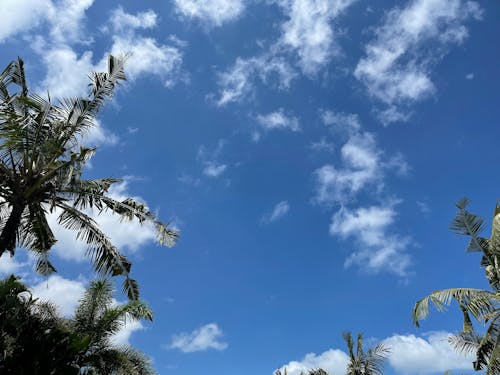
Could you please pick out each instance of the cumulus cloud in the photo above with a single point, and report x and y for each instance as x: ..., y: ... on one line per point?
x: 278, y: 120
x: 67, y: 71
x: 238, y: 82
x: 397, y: 67
x: 22, y: 16
x: 62, y: 292
x: 380, y: 249
x: 211, y: 12
x: 9, y: 265
x: 333, y: 361
x: 309, y: 31
x: 410, y: 355
x: 122, y: 337
x: 201, y: 339
x: 279, y: 211
x: 128, y: 236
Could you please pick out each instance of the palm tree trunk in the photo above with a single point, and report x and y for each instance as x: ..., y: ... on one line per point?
x: 9, y: 231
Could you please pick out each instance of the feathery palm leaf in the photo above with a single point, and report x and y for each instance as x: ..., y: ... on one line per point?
x: 483, y: 305
x: 41, y: 166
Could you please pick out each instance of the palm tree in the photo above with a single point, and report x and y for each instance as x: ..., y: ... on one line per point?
x: 33, y: 339
x: 365, y: 363
x: 96, y: 319
x: 41, y: 166
x: 483, y: 305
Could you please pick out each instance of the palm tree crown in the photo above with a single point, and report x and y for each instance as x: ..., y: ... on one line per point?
x: 360, y: 362
x: 41, y: 165
x: 483, y: 305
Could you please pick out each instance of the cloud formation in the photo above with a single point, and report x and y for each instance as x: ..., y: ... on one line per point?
x: 410, y: 355
x: 396, y: 69
x: 279, y: 211
x: 64, y: 293
x: 211, y: 12
x: 201, y: 339
x: 309, y: 32
x: 361, y: 170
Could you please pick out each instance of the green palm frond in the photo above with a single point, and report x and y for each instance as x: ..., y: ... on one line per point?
x: 477, y: 301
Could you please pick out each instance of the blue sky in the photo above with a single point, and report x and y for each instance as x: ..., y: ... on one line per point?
x: 310, y: 152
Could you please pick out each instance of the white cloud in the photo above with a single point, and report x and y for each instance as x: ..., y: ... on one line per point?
x: 98, y: 135
x: 238, y: 82
x: 420, y: 356
x: 122, y: 21
x: 278, y: 120
x: 67, y: 73
x: 211, y: 12
x: 128, y: 236
x: 279, y: 211
x: 347, y: 123
x: 204, y: 338
x: 209, y: 159
x: 212, y: 169
x: 19, y: 17
x: 62, y: 292
x: 361, y: 168
x: 309, y: 31
x: 333, y: 361
x: 410, y: 355
x: 9, y: 265
x: 148, y: 57
x: 469, y: 76
x: 122, y: 337
x: 396, y: 68
x: 380, y: 250
x: 322, y: 145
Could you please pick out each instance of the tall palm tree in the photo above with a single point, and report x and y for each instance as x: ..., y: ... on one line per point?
x: 483, y: 305
x: 41, y: 166
x: 370, y: 362
x: 96, y: 319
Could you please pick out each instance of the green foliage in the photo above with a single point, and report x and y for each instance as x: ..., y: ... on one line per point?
x: 482, y: 305
x: 360, y: 362
x: 35, y: 340
x: 41, y: 166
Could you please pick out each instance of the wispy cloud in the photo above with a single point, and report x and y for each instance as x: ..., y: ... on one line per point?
x: 277, y: 120
x: 279, y: 211
x: 238, y: 82
x: 210, y: 160
x: 397, y: 67
x: 211, y: 12
x: 361, y: 169
x: 201, y: 339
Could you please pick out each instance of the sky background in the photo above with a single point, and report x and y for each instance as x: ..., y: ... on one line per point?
x: 309, y: 151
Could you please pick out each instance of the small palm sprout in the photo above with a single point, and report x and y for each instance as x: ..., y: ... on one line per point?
x: 483, y: 305
x: 41, y: 166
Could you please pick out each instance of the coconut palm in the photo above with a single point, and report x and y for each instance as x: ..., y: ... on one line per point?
x: 41, y: 166
x: 96, y: 319
x: 483, y: 305
x: 370, y: 362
